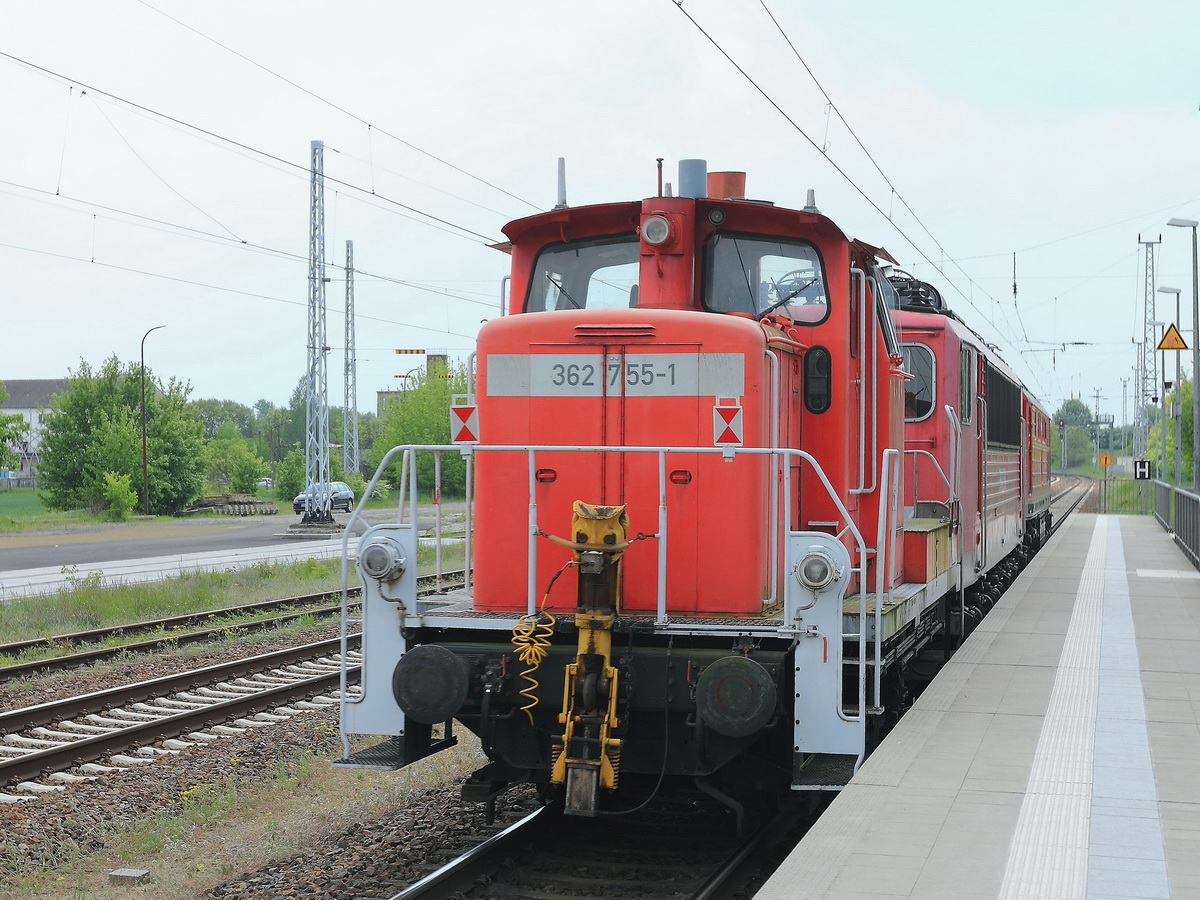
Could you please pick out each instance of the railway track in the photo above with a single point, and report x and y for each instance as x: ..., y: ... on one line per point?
x: 47, y: 739
x: 682, y: 845
x: 168, y: 636
x: 1069, y: 496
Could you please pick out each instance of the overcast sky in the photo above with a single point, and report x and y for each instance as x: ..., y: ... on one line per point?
x: 154, y: 169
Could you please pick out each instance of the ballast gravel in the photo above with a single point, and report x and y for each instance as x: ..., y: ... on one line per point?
x: 374, y: 857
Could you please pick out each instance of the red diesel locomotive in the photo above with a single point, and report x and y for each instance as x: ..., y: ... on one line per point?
x: 727, y: 475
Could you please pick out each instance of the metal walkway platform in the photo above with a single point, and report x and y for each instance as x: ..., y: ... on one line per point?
x: 1056, y: 756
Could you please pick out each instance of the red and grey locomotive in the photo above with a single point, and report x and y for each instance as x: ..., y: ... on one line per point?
x: 728, y: 473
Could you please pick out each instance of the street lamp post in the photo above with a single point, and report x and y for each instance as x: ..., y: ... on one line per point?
x: 145, y: 469
x: 1192, y: 224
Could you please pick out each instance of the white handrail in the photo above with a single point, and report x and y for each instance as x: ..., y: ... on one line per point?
x: 937, y: 467
x: 779, y: 527
x: 889, y: 476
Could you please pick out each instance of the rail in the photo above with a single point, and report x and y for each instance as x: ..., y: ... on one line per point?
x: 153, y: 728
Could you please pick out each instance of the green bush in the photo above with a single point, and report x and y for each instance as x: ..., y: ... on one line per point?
x: 118, y: 495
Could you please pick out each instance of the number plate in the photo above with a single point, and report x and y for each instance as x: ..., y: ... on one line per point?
x: 632, y: 375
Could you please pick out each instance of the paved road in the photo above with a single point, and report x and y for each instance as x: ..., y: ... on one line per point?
x: 139, y: 551
x: 133, y: 540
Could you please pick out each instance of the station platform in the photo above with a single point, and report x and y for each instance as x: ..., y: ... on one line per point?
x: 1057, y: 755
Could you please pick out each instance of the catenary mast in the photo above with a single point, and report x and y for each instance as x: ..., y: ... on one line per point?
x: 316, y: 401
x: 350, y: 403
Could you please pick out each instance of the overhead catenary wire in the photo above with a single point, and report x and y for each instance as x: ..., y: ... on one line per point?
x: 217, y: 287
x: 1011, y: 340
x: 149, y: 168
x: 193, y: 233
x: 233, y: 142
x: 371, y: 128
x: 842, y: 172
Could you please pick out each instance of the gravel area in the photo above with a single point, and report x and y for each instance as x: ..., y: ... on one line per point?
x: 376, y: 858
x: 197, y: 820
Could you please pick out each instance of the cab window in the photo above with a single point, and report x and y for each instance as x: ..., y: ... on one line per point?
x: 757, y: 275
x: 920, y: 390
x: 592, y: 274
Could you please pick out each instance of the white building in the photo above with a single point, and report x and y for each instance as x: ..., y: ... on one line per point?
x: 29, y: 398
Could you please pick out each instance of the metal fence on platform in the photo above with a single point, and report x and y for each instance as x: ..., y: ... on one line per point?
x: 1178, y: 511
x: 1121, y: 496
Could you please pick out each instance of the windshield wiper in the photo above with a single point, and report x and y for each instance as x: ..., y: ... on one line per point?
x: 562, y: 290
x: 785, y: 300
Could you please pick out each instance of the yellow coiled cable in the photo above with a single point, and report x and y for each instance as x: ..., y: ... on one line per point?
x: 531, y: 638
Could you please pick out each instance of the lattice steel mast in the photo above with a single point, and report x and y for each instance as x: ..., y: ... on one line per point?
x: 316, y: 399
x: 350, y: 404
x: 1147, y: 369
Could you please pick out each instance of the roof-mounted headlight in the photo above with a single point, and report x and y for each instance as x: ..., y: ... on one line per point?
x: 656, y: 230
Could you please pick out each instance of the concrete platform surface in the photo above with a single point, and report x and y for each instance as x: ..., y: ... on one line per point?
x: 1056, y: 756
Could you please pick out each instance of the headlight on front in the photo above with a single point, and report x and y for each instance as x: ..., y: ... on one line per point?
x: 816, y: 570
x: 383, y: 558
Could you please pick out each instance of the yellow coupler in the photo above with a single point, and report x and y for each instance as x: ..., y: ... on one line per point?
x: 586, y: 758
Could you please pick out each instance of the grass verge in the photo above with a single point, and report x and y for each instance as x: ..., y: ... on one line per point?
x: 22, y: 510
x: 86, y: 604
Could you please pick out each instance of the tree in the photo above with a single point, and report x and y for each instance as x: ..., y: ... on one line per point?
x: 12, y: 427
x: 1073, y: 412
x: 213, y: 413
x: 289, y: 475
x: 94, y: 427
x: 232, y: 463
x: 1079, y: 445
x: 1183, y: 396
x: 421, y: 415
x: 274, y: 425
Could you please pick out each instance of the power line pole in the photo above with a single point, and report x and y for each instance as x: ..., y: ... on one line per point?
x: 1124, y: 415
x: 350, y: 404
x: 1147, y: 386
x: 316, y: 398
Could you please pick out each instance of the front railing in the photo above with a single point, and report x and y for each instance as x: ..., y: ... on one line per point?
x: 785, y: 467
x: 778, y: 528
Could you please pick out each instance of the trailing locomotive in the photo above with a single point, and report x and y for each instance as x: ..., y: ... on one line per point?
x: 725, y: 481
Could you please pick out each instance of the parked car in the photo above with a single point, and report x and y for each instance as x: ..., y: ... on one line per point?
x: 266, y: 482
x: 340, y: 497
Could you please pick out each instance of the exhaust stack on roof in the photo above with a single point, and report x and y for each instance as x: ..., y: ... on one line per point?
x: 562, y: 184
x: 693, y: 178
x: 727, y: 185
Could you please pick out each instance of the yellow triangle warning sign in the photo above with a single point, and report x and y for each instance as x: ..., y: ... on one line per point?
x: 1172, y: 340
